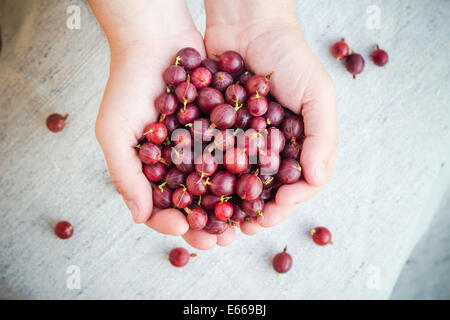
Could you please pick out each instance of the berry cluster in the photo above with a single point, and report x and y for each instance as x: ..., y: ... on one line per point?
x: 222, y: 146
x: 354, y: 62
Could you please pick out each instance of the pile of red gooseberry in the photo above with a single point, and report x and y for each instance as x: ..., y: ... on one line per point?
x: 222, y: 146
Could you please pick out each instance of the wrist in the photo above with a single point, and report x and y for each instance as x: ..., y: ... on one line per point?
x: 238, y: 12
x: 134, y: 25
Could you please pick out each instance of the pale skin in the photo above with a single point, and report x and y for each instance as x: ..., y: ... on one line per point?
x: 144, y: 35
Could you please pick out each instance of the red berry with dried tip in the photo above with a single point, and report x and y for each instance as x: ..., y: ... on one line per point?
x: 235, y: 160
x: 380, y: 57
x: 186, y: 92
x: 56, y: 122
x: 188, y: 114
x: 355, y: 64
x: 340, y: 50
x: 223, y: 210
x: 162, y: 196
x: 231, y: 62
x: 196, y: 184
x: 282, y: 262
x: 275, y: 114
x: 174, y: 75
x: 201, y: 77
x: 289, y: 171
x: 222, y: 80
x: 222, y: 183
x: 249, y: 187
x: 206, y: 164
x: 235, y: 95
x: 208, y: 98
x: 149, y: 153
x: 179, y: 257
x: 155, y: 132
x: 166, y: 104
x: 175, y: 178
x: 214, y: 225
x: 258, y: 84
x: 197, y: 218
x: 154, y: 172
x: 321, y: 236
x: 223, y: 116
x: 189, y: 58
x: 211, y: 65
x: 253, y: 207
x: 181, y: 198
x: 257, y: 105
x: 245, y: 76
x: 64, y: 230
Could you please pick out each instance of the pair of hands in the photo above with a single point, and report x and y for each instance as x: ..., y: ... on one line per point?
x: 268, y: 42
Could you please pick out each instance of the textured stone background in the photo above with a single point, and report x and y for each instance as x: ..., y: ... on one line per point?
x: 391, y: 176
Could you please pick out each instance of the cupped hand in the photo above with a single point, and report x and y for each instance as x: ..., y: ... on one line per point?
x: 300, y: 83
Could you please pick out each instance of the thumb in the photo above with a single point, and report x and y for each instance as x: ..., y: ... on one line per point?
x: 319, y: 114
x: 126, y: 173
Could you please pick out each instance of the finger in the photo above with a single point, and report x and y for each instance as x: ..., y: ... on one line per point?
x: 168, y: 221
x: 250, y: 228
x: 226, y: 238
x: 319, y: 114
x: 274, y: 214
x: 302, y: 191
x: 126, y: 170
x: 200, y: 239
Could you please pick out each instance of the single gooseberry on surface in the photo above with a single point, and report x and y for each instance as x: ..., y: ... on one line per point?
x: 155, y: 132
x: 179, y: 257
x: 289, y: 171
x: 56, y: 122
x: 64, y: 230
x: 355, y: 64
x: 380, y: 57
x: 201, y: 77
x: 197, y: 218
x: 321, y: 236
x: 340, y: 50
x: 189, y: 58
x: 249, y: 187
x: 223, y: 210
x: 231, y: 62
x: 282, y: 262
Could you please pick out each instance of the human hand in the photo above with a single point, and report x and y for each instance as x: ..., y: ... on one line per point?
x: 267, y: 34
x: 141, y: 48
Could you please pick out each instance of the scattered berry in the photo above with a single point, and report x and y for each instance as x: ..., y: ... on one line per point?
x: 321, y: 236
x: 63, y: 230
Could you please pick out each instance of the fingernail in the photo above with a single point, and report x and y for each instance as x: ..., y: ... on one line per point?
x: 320, y: 172
x: 133, y: 208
